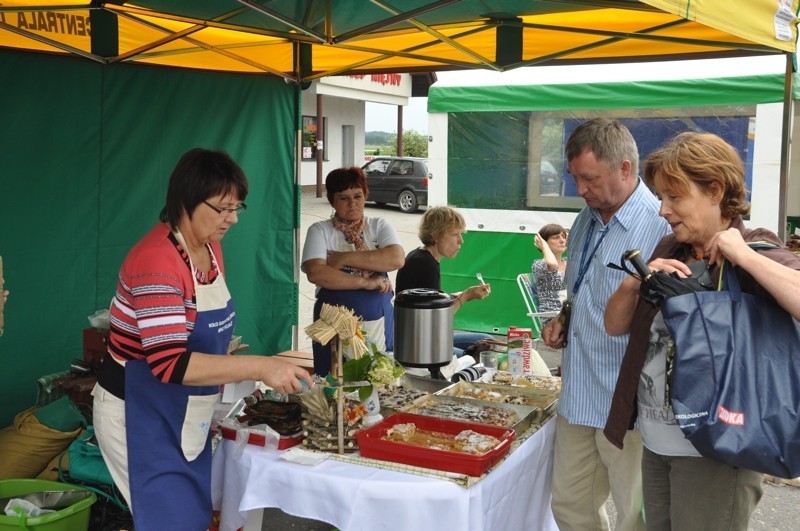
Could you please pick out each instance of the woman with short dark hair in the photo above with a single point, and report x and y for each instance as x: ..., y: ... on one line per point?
x: 348, y: 257
x: 549, y: 271
x: 172, y: 319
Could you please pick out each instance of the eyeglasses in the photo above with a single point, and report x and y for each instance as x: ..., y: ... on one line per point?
x: 238, y: 209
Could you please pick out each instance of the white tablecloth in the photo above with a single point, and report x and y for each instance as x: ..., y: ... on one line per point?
x: 515, y: 495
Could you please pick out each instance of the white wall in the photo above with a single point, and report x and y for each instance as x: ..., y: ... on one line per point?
x: 338, y: 112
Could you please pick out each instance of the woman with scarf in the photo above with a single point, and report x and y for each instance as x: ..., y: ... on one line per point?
x: 348, y: 258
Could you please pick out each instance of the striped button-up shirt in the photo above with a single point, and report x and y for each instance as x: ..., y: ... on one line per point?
x: 592, y: 358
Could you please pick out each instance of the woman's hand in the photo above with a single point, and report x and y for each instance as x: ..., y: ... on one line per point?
x: 283, y: 376
x: 538, y: 241
x: 669, y: 265
x: 728, y: 244
x: 476, y: 292
x: 379, y: 283
x: 338, y: 259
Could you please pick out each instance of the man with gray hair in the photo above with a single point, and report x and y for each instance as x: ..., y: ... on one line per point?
x: 621, y: 213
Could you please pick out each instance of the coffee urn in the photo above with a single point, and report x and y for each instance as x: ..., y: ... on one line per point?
x: 423, y: 328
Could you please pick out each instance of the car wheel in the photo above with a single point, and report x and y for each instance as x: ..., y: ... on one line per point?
x: 407, y: 201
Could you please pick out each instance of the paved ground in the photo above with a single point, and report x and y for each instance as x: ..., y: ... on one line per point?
x: 779, y: 509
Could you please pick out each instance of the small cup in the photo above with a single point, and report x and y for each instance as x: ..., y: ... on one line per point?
x: 489, y: 360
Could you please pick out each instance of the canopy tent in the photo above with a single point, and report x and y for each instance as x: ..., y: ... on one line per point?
x: 307, y: 39
x: 93, y: 139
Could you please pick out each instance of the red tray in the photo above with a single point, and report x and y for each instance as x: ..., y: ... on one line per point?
x: 371, y: 445
x: 287, y: 441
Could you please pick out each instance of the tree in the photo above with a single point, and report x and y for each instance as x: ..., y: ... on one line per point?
x: 414, y: 144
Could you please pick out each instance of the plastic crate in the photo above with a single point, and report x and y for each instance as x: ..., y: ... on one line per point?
x: 372, y: 445
x: 72, y: 518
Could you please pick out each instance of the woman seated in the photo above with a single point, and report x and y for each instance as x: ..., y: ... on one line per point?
x: 440, y: 232
x: 548, y: 272
x: 348, y: 258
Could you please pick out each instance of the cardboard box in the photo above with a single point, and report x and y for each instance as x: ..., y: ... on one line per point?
x: 94, y: 346
x: 519, y: 349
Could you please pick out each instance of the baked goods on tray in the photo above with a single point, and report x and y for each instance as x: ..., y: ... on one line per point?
x: 491, y: 395
x: 456, y: 410
x: 545, y: 383
x: 466, y: 441
x: 396, y: 397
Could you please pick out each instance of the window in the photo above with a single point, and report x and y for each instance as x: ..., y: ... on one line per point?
x: 514, y: 160
x: 310, y: 137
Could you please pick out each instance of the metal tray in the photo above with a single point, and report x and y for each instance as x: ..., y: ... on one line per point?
x: 416, y: 383
x: 428, y: 385
x: 539, y: 400
x: 525, y: 414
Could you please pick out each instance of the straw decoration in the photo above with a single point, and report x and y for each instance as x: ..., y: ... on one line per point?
x: 338, y: 321
x: 339, y: 325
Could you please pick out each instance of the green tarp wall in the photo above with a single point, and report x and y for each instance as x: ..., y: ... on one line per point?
x: 86, y: 153
x: 499, y: 257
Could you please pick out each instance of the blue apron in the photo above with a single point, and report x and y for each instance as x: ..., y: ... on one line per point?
x: 374, y: 307
x: 167, y: 427
x: 369, y: 305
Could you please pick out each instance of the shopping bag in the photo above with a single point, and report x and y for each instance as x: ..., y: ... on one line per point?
x: 736, y: 377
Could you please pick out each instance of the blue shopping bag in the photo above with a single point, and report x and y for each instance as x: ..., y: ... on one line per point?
x: 736, y: 377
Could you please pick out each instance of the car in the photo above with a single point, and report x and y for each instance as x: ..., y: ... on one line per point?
x: 398, y: 180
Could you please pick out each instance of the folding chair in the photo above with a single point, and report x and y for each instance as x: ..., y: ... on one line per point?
x: 527, y: 287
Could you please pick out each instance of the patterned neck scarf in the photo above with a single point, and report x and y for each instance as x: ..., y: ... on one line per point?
x: 353, y: 231
x: 354, y: 234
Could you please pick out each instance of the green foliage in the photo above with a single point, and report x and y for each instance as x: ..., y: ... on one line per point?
x: 377, y: 143
x: 414, y: 144
x: 378, y: 138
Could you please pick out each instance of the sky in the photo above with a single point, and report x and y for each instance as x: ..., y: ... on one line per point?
x: 382, y: 117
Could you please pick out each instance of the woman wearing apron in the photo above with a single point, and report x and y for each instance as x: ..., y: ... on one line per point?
x: 348, y: 258
x: 171, y: 321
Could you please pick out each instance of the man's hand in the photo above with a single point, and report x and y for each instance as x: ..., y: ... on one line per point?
x: 553, y: 334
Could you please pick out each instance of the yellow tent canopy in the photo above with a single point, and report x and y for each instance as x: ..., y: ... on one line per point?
x: 307, y: 39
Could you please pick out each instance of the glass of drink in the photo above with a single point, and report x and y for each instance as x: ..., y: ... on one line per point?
x: 489, y: 360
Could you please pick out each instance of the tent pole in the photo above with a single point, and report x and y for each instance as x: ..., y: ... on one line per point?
x: 399, y: 131
x: 786, y: 145
x: 298, y: 187
x: 320, y: 141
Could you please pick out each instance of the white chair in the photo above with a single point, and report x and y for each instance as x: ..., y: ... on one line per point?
x: 527, y: 287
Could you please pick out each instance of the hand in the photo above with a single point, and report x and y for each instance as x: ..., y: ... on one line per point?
x: 379, y: 283
x: 337, y: 259
x: 5, y: 296
x: 477, y: 292
x: 670, y: 265
x: 283, y: 376
x: 553, y: 334
x: 538, y: 242
x: 727, y: 244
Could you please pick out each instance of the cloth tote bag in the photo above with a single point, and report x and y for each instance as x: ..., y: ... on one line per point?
x: 736, y: 377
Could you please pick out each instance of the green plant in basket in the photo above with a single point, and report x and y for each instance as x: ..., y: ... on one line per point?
x: 375, y: 367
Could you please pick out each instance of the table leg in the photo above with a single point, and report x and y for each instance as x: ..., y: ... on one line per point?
x: 255, y: 519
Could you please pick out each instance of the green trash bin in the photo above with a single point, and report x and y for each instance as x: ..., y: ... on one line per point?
x: 72, y: 518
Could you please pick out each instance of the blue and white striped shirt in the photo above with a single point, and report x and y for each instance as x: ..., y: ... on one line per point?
x: 592, y: 358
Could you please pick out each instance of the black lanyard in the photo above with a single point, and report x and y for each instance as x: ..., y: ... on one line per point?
x: 586, y: 260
